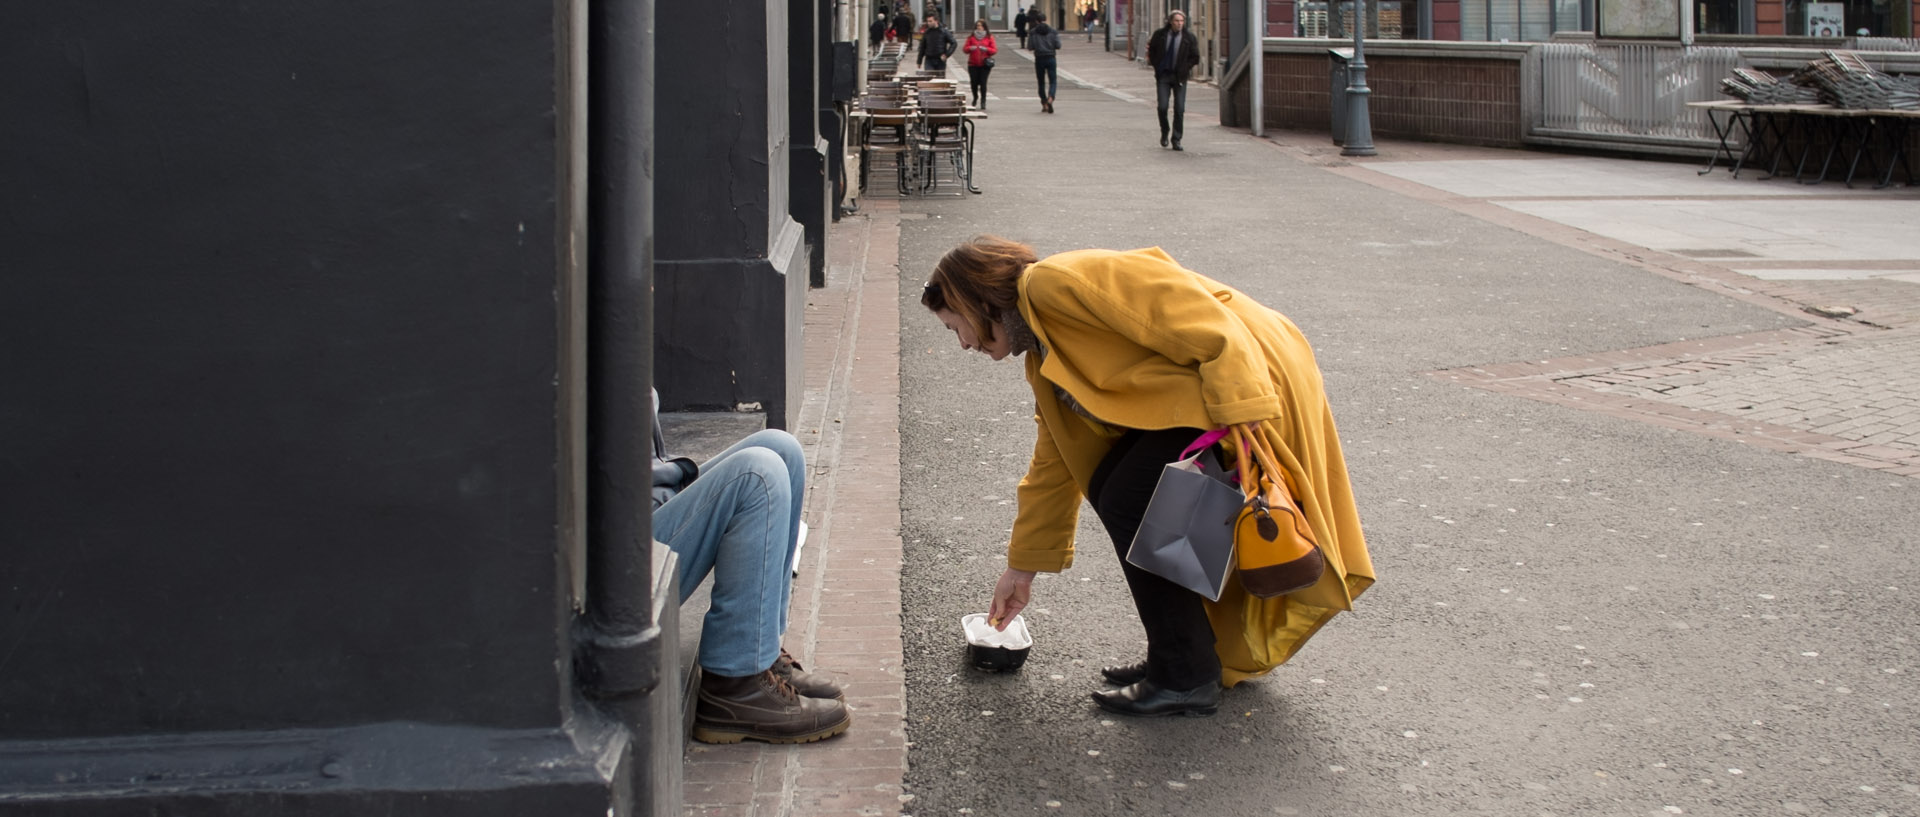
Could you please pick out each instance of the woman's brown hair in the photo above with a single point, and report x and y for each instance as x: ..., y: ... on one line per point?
x: 978, y: 280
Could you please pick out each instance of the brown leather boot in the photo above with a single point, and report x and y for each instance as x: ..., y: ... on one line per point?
x: 805, y: 683
x: 763, y: 707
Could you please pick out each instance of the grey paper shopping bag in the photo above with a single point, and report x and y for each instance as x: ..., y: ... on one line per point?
x: 1187, y: 534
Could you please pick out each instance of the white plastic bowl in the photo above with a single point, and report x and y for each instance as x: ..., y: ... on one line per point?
x: 996, y: 650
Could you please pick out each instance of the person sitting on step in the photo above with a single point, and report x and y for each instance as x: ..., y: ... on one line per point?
x: 738, y: 518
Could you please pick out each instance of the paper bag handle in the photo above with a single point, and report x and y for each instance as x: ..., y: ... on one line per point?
x: 1204, y: 440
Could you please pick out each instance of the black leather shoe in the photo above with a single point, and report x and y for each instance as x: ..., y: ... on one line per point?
x: 1163, y: 140
x: 1145, y: 700
x: 1125, y: 675
x: 1176, y: 146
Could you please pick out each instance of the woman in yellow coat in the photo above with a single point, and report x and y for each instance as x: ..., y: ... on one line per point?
x: 1132, y: 357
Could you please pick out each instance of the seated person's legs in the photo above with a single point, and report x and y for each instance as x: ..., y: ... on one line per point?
x: 740, y: 522
x: 749, y: 458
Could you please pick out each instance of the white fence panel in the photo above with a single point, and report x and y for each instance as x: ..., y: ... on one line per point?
x: 1631, y: 90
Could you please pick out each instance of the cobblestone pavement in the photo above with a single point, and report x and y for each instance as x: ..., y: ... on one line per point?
x: 1817, y: 391
x: 1837, y: 387
x: 1845, y: 388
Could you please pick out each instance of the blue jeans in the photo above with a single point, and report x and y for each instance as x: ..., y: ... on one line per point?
x: 740, y: 521
x: 1046, y: 70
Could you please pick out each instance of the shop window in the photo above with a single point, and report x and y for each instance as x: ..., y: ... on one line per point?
x: 1387, y: 20
x: 1511, y: 20
x: 1840, y: 19
x: 1718, y: 16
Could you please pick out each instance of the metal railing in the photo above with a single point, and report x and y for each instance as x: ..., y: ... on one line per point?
x: 1883, y: 44
x: 1629, y: 90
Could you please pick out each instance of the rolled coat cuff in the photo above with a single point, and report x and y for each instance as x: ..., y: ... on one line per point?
x: 1250, y: 410
x: 1040, y: 561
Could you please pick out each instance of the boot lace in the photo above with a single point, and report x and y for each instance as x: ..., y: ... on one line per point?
x: 779, y: 686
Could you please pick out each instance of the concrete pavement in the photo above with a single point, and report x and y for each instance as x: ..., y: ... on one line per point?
x: 1844, y: 388
x: 1627, y: 593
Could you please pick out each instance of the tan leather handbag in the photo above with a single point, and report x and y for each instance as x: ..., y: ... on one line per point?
x: 1274, y: 548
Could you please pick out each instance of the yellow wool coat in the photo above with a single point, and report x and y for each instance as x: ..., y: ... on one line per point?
x: 1142, y: 342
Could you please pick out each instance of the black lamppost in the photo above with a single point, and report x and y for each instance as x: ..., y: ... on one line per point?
x: 1359, y: 123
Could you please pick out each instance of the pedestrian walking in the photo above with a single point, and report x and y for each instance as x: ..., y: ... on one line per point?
x: 1131, y: 357
x: 1173, y: 52
x: 903, y: 26
x: 878, y: 30
x: 980, y: 50
x: 1088, y: 19
x: 936, y: 45
x: 737, y: 518
x: 1020, y: 28
x: 1044, y: 42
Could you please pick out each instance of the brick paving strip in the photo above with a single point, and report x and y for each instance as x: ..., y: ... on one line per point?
x: 1640, y: 384
x: 845, y: 615
x: 1799, y: 420
x: 1776, y: 390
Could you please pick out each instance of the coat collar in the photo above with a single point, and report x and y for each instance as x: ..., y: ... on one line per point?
x: 1036, y: 363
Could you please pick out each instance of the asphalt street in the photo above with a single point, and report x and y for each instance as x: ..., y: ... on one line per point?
x: 1576, y: 614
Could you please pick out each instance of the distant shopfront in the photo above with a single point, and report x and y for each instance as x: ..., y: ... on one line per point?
x: 1539, y: 20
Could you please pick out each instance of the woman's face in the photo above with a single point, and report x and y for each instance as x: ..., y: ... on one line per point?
x: 998, y: 348
x: 980, y: 29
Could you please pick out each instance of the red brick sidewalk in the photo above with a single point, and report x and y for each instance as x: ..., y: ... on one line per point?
x: 846, y: 601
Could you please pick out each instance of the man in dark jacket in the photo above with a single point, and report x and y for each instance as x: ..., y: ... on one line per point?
x: 1173, y: 52
x: 935, y: 46
x: 1020, y: 27
x: 1044, y: 42
x: 877, y: 33
x: 903, y: 26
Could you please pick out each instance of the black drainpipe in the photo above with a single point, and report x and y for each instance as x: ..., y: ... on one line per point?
x: 619, y: 646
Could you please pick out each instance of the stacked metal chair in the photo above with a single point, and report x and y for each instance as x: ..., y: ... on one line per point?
x: 1762, y: 88
x: 1845, y: 80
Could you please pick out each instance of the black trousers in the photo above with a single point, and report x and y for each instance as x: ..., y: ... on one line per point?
x: 1166, y: 85
x: 1179, y: 640
x: 977, y: 77
x: 1046, y: 70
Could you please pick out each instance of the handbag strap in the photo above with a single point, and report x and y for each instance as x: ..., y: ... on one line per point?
x: 1255, y: 462
x: 1203, y: 441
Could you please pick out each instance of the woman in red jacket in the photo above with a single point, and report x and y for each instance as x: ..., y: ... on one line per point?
x: 980, y: 50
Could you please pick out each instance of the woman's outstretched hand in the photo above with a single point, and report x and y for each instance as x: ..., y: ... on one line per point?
x: 1010, y: 596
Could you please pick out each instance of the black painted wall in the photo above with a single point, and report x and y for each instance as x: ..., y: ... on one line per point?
x: 731, y: 264
x: 811, y: 200
x: 278, y: 410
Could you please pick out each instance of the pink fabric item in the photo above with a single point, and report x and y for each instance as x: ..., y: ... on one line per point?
x: 1203, y: 441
